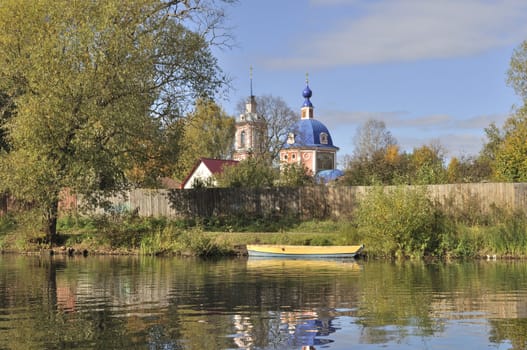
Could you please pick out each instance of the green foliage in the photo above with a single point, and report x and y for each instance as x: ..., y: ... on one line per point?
x: 208, y: 132
x: 517, y: 74
x: 201, y: 243
x: 294, y: 175
x: 160, y: 241
x: 251, y: 173
x: 508, y: 238
x: 398, y: 222
x: 97, y: 90
x: 511, y: 156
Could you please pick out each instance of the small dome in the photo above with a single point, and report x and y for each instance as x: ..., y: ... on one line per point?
x: 307, y: 93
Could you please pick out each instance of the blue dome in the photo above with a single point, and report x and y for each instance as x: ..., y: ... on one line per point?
x: 307, y: 93
x: 310, y: 133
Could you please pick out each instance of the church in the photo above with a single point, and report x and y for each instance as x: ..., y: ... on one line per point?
x: 308, y: 142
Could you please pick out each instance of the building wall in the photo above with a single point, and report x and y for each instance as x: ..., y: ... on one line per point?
x: 202, y: 172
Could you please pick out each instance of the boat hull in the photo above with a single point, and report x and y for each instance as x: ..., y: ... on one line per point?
x: 301, y: 251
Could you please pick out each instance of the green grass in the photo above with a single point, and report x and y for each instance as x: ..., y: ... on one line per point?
x: 400, y: 226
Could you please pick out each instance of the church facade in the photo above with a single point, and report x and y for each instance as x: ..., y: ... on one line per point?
x: 309, y: 142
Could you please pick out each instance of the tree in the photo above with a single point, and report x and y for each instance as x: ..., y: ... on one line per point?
x: 97, y: 87
x: 295, y: 175
x: 250, y: 173
x: 427, y: 163
x: 468, y: 169
x: 376, y: 158
x: 510, y: 163
x: 6, y: 109
x: 517, y: 73
x: 371, y: 138
x: 279, y: 118
x: 208, y: 132
x: 507, y: 147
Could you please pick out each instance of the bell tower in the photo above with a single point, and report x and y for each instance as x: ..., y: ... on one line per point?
x: 251, y: 129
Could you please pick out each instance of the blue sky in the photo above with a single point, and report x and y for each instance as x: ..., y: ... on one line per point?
x: 432, y: 70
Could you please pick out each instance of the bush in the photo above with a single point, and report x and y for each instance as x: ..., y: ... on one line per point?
x: 399, y: 222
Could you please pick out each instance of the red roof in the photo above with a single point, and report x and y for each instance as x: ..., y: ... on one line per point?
x: 215, y: 166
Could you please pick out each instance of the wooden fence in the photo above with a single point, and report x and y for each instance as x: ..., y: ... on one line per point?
x: 308, y: 202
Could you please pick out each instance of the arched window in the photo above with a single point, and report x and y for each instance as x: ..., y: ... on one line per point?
x: 242, y: 139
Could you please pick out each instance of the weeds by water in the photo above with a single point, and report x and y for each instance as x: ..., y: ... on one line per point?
x: 395, y: 223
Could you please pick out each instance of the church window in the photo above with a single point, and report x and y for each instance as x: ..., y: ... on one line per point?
x: 323, y: 138
x: 325, y: 161
x: 242, y: 139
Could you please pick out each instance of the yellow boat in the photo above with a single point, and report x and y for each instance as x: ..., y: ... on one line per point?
x: 303, y: 251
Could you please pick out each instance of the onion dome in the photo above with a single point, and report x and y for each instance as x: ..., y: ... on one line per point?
x: 307, y: 93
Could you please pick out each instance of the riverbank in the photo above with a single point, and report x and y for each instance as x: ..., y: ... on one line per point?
x: 131, y: 235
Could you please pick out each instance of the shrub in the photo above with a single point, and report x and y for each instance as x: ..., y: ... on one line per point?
x: 399, y: 222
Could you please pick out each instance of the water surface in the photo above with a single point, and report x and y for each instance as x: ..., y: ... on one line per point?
x: 174, y: 303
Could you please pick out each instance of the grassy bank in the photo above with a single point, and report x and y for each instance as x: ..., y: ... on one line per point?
x: 398, y: 224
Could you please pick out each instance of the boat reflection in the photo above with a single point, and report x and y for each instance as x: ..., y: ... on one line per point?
x: 309, y: 264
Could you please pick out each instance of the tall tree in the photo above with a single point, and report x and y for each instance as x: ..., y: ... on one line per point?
x: 6, y: 109
x: 97, y: 86
x: 510, y: 163
x: 279, y: 118
x: 508, y: 145
x: 371, y: 138
x: 208, y: 132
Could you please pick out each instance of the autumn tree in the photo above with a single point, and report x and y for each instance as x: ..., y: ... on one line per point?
x: 427, y: 163
x: 207, y: 132
x: 510, y: 162
x: 96, y: 88
x: 376, y: 158
x: 372, y: 138
x: 506, y: 150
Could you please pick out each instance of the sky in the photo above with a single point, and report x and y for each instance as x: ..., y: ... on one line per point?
x: 434, y: 71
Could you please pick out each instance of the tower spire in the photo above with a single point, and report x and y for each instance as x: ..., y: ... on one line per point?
x: 250, y: 106
x: 307, y: 106
x: 251, y: 79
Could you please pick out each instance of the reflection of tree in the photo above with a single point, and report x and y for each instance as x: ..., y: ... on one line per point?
x: 514, y: 330
x: 130, y: 302
x: 393, y: 296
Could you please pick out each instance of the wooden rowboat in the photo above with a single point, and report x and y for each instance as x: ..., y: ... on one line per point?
x: 303, y: 251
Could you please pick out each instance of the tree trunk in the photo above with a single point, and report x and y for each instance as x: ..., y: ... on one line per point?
x: 52, y: 214
x: 3, y: 204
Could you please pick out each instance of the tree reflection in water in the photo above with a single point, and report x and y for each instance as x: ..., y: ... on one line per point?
x: 157, y: 303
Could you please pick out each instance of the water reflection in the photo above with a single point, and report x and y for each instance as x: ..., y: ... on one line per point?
x: 155, y: 303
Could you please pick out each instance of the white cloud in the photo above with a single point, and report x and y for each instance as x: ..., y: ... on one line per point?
x: 408, y: 30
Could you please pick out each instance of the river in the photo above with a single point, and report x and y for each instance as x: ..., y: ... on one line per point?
x: 180, y: 303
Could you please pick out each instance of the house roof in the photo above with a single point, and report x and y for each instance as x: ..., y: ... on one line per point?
x: 215, y: 166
